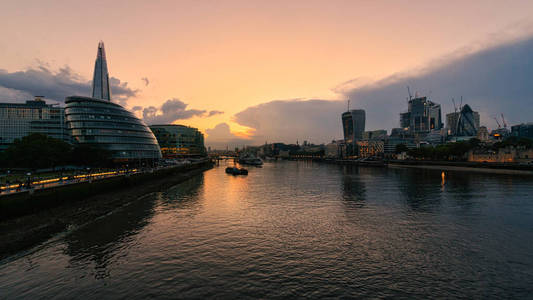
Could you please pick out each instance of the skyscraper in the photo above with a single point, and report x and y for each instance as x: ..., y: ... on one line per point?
x: 101, y: 88
x: 463, y: 123
x: 422, y: 116
x: 353, y: 125
x: 99, y: 122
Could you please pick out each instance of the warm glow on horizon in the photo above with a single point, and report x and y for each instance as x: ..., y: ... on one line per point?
x: 228, y: 56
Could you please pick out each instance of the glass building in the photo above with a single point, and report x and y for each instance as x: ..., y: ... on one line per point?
x: 422, y: 116
x: 111, y: 127
x: 99, y: 122
x: 463, y: 123
x: 353, y: 125
x: 523, y: 130
x: 18, y: 120
x: 179, y: 140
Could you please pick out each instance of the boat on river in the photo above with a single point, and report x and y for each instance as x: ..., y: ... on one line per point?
x: 236, y: 171
x: 250, y: 159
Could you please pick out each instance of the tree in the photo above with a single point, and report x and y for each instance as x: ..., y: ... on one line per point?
x: 37, y: 151
x: 87, y: 155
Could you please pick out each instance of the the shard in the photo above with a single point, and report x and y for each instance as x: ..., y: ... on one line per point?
x: 101, y: 88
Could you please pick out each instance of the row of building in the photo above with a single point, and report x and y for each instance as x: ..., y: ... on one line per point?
x: 420, y: 125
x: 98, y: 122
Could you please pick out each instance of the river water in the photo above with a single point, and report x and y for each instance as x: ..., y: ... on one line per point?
x: 297, y: 229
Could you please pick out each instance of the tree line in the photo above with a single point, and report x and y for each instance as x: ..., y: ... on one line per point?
x: 39, y: 151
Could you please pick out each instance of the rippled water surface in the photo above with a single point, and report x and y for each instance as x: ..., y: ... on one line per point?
x: 297, y: 229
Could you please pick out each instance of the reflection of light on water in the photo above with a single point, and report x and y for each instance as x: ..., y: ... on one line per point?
x: 443, y: 182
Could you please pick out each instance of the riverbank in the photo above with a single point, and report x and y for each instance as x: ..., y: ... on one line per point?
x: 22, y: 231
x: 490, y: 168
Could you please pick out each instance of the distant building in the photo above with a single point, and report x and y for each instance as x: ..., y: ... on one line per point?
x: 503, y: 155
x: 523, y: 130
x: 179, y: 140
x: 370, y: 148
x: 463, y: 123
x: 18, y: 120
x: 353, y: 125
x: 99, y: 122
x: 375, y: 135
x: 483, y: 133
x: 422, y: 116
x: 390, y: 143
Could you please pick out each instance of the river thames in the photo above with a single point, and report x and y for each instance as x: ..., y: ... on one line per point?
x: 297, y: 229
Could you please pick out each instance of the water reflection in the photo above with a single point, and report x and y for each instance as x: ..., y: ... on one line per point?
x: 101, y: 240
x: 353, y: 187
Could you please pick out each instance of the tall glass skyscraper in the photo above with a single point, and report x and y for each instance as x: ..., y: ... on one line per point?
x: 101, y: 89
x: 99, y: 122
x: 353, y: 125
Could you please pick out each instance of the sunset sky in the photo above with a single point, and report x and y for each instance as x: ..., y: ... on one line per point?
x: 230, y: 56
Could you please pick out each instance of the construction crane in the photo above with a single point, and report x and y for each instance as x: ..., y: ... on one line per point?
x: 504, y: 123
x: 496, y: 119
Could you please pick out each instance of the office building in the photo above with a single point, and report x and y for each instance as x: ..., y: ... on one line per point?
x: 422, y: 116
x: 463, y: 123
x: 353, y: 125
x: 18, y: 120
x: 375, y: 135
x: 99, y: 122
x: 179, y: 140
x: 523, y: 130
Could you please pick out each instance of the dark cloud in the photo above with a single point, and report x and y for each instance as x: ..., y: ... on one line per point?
x: 56, y: 85
x: 214, y: 113
x: 314, y: 120
x: 172, y: 110
x: 221, y: 137
x: 492, y: 81
x: 146, y: 81
x: 136, y: 108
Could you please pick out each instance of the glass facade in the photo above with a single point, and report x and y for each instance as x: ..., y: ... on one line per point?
x: 101, y: 89
x: 18, y: 120
x: 463, y: 123
x: 108, y: 125
x: 179, y: 140
x: 422, y: 116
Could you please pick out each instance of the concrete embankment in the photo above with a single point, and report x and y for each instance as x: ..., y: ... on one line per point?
x: 490, y: 168
x: 29, y: 219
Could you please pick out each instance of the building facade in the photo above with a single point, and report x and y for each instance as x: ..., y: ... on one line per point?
x: 422, y: 116
x: 179, y: 140
x: 463, y: 123
x: 18, y: 120
x: 353, y: 125
x: 523, y: 130
x: 109, y: 126
x: 101, y: 123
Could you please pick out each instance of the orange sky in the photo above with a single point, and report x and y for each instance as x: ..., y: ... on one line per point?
x: 229, y: 55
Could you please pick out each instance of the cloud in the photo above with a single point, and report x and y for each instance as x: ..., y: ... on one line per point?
x: 136, y: 108
x: 214, y: 113
x: 146, y: 81
x: 492, y: 81
x: 221, y: 137
x: 56, y: 85
x: 172, y: 110
x: 315, y: 120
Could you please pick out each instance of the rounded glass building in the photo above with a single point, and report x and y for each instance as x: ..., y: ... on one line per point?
x: 109, y: 126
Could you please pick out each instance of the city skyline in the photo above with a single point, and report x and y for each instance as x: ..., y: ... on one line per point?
x: 163, y: 79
